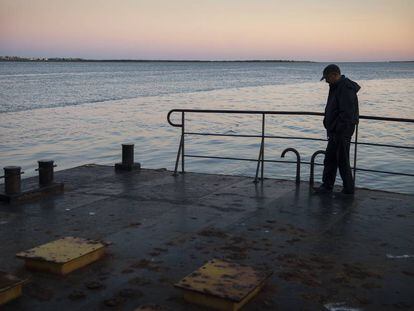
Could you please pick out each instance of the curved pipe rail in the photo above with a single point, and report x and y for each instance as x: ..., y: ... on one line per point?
x: 261, y: 160
x: 312, y: 166
x: 270, y: 112
x: 297, y: 161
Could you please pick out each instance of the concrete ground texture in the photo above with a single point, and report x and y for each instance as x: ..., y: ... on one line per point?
x: 325, y: 251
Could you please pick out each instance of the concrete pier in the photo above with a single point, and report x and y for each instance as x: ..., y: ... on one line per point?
x: 324, y: 251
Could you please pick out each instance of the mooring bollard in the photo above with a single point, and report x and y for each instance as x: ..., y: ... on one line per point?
x: 128, y: 154
x: 13, y: 192
x: 127, y: 159
x: 45, y: 172
x: 12, y: 180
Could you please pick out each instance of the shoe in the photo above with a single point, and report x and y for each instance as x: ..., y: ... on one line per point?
x: 322, y: 189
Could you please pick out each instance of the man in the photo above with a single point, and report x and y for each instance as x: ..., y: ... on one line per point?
x: 341, y: 116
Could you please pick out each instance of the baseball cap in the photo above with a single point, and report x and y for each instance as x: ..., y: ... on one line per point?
x: 332, y: 68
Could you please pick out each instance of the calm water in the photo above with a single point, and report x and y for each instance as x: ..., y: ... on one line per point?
x: 77, y: 113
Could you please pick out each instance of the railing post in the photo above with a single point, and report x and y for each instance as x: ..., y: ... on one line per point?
x: 258, y: 163
x: 355, y: 152
x: 263, y: 142
x: 260, y: 159
x: 180, y: 152
x: 182, y: 135
x: 178, y: 156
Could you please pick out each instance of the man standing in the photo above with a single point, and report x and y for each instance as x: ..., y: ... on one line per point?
x: 341, y: 116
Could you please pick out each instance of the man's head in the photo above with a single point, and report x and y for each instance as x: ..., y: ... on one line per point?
x: 331, y: 74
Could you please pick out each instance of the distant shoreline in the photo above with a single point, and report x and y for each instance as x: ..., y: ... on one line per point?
x: 57, y: 59
x: 85, y: 60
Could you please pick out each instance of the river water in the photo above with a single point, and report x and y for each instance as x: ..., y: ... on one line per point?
x: 78, y: 113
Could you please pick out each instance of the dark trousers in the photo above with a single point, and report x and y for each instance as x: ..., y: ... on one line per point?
x: 337, y: 156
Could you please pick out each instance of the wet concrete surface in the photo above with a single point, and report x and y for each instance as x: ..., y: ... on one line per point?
x: 324, y: 251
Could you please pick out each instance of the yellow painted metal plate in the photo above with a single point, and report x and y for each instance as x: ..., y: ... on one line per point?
x: 224, y: 280
x: 10, y: 287
x: 62, y: 251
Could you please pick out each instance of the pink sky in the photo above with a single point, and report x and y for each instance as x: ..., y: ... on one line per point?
x: 320, y: 30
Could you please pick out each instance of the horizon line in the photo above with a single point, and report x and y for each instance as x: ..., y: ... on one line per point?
x: 79, y: 59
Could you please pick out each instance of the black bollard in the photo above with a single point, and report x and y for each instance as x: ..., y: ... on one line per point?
x: 12, y: 180
x: 128, y: 155
x: 13, y: 192
x: 45, y: 172
x: 127, y: 159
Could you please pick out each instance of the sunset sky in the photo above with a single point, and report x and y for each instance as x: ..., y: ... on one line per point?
x: 319, y: 30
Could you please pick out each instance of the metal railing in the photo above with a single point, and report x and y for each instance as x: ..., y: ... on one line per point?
x: 261, y: 158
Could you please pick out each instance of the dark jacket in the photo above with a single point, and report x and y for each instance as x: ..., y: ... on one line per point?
x: 341, y: 111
